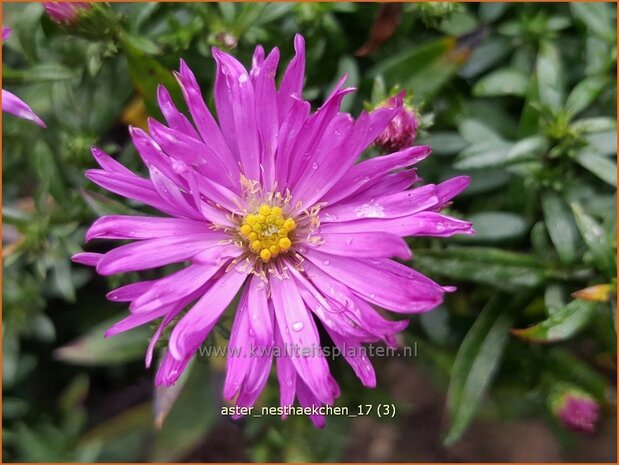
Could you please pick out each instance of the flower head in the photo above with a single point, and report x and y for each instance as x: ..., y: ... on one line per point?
x: 576, y: 409
x: 65, y: 12
x: 13, y: 104
x: 401, y: 131
x: 268, y: 202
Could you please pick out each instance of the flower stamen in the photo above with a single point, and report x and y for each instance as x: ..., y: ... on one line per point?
x: 267, y: 231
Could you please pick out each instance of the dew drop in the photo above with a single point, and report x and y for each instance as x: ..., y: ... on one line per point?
x: 315, y: 165
x: 326, y: 262
x: 349, y: 240
x: 243, y: 78
x: 297, y: 326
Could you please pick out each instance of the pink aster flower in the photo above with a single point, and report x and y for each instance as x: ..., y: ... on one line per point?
x: 13, y: 104
x: 268, y: 202
x: 65, y: 12
x: 401, y: 131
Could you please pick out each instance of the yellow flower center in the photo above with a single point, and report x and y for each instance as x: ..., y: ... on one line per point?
x: 266, y: 232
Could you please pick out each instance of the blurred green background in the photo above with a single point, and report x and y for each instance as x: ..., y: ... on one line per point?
x: 521, y: 97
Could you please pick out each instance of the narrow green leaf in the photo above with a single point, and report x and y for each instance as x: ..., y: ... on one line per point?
x: 562, y: 324
x: 550, y: 76
x: 505, y: 81
x: 475, y: 365
x: 495, y: 226
x: 93, y: 349
x: 597, y: 16
x: 603, y: 167
x: 191, y: 417
x: 485, y: 154
x: 504, y: 270
x: 585, y: 93
x: 599, y: 242
x: 561, y: 226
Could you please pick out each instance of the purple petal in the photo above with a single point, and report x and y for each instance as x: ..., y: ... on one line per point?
x: 288, y: 135
x: 355, y: 355
x: 447, y: 190
x: 175, y: 119
x: 286, y: 373
x: 143, y: 227
x: 193, y: 152
x: 171, y: 369
x: 15, y: 106
x: 87, y: 258
x: 165, y: 291
x: 207, y: 127
x: 292, y: 82
x: 307, y: 399
x: 420, y: 224
x: 197, y: 323
x: 267, y: 117
x: 130, y: 292
x: 6, y: 32
x: 395, y: 205
x: 152, y: 253
x: 132, y: 187
x: 300, y: 334
x: 375, y: 280
x: 365, y: 174
x: 108, y: 163
x: 353, y: 317
x: 365, y: 245
x: 234, y: 96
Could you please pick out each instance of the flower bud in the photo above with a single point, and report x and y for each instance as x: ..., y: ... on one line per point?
x: 401, y: 131
x: 66, y: 13
x: 576, y: 409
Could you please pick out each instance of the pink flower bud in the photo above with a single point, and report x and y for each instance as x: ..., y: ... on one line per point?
x: 401, y: 131
x: 65, y: 12
x: 577, y: 410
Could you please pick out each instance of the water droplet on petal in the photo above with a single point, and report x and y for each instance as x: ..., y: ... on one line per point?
x: 349, y: 240
x: 326, y: 262
x: 297, y: 326
x: 315, y: 165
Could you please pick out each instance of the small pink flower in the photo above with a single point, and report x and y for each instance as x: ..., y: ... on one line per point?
x: 13, y: 104
x: 65, y: 12
x: 401, y: 131
x: 578, y: 411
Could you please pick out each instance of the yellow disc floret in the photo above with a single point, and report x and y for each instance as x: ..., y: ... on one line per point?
x: 266, y: 231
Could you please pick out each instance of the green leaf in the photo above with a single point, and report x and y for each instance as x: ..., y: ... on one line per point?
x: 504, y: 270
x: 597, y: 16
x: 562, y: 324
x: 505, y: 81
x: 486, y: 55
x: 191, y: 417
x: 561, y: 226
x: 444, y: 142
x: 595, y: 124
x: 603, y: 167
x: 485, y: 154
x: 475, y: 365
x: 489, y: 12
x: 45, y: 72
x: 495, y: 227
x: 599, y: 242
x: 475, y: 131
x: 550, y: 76
x: 93, y: 349
x: 604, y: 143
x: 585, y: 93
x: 569, y: 367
